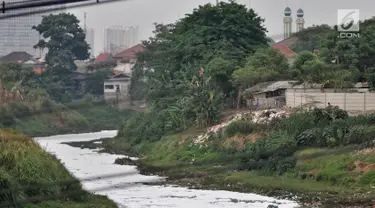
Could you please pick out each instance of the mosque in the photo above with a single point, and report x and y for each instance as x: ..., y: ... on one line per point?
x: 289, y: 37
x: 288, y: 21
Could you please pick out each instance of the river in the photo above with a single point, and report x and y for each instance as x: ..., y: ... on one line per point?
x: 85, y: 164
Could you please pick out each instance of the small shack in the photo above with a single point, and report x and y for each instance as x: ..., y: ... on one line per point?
x: 116, y: 89
x: 268, y: 94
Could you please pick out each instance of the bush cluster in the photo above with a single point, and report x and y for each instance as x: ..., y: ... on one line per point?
x: 328, y: 127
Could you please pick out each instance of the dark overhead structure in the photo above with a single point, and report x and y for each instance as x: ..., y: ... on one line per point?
x: 27, y: 4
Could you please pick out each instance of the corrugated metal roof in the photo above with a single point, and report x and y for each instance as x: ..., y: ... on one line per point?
x: 271, y: 86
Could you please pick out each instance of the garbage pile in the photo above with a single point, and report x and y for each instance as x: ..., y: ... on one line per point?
x: 259, y: 117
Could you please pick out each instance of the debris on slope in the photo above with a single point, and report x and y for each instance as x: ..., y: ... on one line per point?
x: 259, y: 117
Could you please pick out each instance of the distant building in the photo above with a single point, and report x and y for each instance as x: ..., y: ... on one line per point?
x: 26, y: 60
x: 16, y: 33
x: 116, y: 89
x: 287, y: 23
x: 132, y: 37
x: 284, y: 48
x: 90, y: 39
x: 300, y: 21
x: 127, y: 58
x: 114, y: 39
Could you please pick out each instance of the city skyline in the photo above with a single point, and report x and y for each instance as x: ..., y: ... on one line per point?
x: 120, y: 37
x: 17, y: 35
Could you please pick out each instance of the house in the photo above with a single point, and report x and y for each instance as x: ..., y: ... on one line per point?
x: 127, y: 59
x: 284, y: 48
x: 268, y: 94
x: 26, y: 60
x: 117, y: 88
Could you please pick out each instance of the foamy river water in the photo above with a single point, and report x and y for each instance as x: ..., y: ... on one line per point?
x: 126, y: 188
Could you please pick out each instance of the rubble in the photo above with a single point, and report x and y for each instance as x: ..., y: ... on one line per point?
x: 259, y: 117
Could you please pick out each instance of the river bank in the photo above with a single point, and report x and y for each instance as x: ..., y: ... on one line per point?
x: 162, y: 158
x: 128, y: 188
x: 80, y: 117
x: 33, y: 178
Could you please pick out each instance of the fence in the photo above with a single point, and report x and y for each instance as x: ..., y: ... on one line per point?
x: 346, y: 101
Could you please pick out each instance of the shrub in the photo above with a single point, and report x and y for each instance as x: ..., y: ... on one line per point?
x: 242, y: 127
x: 311, y: 137
x: 368, y: 178
x: 359, y: 134
x: 332, y: 175
x: 88, y: 99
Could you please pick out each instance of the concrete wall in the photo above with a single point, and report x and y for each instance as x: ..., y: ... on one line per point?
x: 110, y: 94
x: 346, y: 101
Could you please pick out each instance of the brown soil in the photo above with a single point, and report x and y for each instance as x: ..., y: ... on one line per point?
x: 241, y: 140
x: 182, y: 140
x: 367, y: 151
x: 363, y: 167
x: 313, y: 173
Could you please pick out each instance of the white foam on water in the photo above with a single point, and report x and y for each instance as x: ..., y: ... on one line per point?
x: 85, y: 163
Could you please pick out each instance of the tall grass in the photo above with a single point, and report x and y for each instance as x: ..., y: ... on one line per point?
x: 25, y: 164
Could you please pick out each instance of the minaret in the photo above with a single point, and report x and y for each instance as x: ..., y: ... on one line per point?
x: 287, y: 23
x: 300, y: 21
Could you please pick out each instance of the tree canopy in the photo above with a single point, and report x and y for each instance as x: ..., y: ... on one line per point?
x: 65, y: 41
x: 186, y: 69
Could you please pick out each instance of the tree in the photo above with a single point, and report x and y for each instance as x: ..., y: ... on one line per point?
x: 17, y: 78
x: 302, y: 58
x: 310, y: 38
x: 266, y: 64
x: 95, y: 81
x: 65, y: 41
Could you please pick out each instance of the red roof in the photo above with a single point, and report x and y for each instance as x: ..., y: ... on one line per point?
x: 285, y: 50
x: 130, y: 53
x: 103, y: 57
x: 288, y: 42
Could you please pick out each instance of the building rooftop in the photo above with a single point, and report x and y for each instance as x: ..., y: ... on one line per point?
x: 18, y: 57
x: 130, y: 53
x: 285, y: 50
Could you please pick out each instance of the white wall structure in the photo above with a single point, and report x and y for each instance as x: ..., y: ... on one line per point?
x: 347, y: 101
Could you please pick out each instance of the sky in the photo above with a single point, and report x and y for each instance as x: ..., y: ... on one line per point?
x: 146, y: 12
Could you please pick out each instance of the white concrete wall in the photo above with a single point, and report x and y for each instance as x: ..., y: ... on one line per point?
x: 110, y: 94
x: 346, y: 101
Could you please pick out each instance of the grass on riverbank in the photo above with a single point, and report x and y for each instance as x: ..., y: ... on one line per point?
x: 49, y: 118
x: 29, y: 175
x: 310, y: 155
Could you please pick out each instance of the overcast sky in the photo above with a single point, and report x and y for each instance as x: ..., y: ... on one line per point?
x: 145, y: 12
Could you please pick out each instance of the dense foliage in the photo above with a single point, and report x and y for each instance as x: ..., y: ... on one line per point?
x: 185, y: 71
x: 29, y: 173
x: 65, y: 41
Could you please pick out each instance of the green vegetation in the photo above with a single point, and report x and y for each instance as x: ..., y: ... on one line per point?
x: 213, y: 55
x: 322, y: 155
x: 28, y: 174
x: 43, y: 117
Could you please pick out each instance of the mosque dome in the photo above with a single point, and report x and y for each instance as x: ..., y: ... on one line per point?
x: 288, y: 11
x: 300, y: 12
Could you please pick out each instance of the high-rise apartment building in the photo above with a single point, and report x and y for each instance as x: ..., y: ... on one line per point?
x: 90, y: 39
x: 119, y: 38
x: 114, y: 39
x: 132, y: 36
x: 16, y: 33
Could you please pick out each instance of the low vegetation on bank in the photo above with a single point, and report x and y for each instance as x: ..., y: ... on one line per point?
x: 322, y: 156
x: 31, y: 177
x: 44, y: 117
